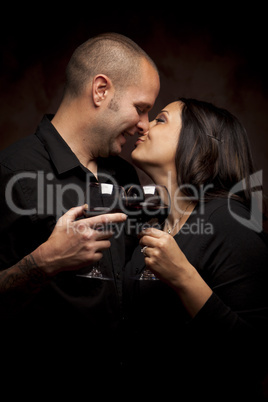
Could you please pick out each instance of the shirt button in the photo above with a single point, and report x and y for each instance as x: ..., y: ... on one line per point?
x: 118, y: 276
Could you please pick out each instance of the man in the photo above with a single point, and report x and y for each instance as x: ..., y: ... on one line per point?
x: 111, y: 84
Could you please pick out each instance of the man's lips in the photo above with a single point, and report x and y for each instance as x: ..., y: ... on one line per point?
x: 125, y: 134
x: 123, y: 137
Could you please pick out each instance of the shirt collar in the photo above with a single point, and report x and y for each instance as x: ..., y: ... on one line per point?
x: 59, y: 151
x: 61, y: 154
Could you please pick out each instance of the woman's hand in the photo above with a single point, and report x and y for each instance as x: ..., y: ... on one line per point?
x: 166, y: 260
x: 163, y: 256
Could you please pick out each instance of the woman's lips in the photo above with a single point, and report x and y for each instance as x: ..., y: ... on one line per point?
x: 142, y: 138
x: 139, y: 141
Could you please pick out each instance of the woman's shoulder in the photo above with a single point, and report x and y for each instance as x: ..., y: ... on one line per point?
x: 221, y: 204
x: 233, y: 218
x: 232, y: 210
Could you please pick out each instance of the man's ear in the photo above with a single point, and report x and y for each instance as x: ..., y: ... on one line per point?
x: 100, y: 87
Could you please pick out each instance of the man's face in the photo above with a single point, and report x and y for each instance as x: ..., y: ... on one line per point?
x: 127, y: 111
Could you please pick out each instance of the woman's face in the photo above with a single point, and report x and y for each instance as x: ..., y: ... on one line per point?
x: 157, y: 148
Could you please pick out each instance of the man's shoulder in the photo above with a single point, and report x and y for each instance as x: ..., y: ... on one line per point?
x: 24, y: 154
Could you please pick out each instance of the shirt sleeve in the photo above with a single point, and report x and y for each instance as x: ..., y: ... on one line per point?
x: 20, y: 230
x: 234, y: 264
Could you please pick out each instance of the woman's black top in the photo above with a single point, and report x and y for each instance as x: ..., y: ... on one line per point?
x: 221, y: 352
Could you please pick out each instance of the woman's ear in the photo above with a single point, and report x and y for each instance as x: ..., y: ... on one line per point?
x: 100, y: 87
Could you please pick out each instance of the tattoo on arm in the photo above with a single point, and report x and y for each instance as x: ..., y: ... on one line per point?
x: 20, y: 282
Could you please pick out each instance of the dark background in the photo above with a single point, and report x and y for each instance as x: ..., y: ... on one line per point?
x: 216, y: 54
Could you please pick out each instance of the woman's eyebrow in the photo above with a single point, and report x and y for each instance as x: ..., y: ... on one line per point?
x: 164, y: 111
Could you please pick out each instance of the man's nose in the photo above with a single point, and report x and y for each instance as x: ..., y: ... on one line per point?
x: 143, y: 124
x: 151, y: 123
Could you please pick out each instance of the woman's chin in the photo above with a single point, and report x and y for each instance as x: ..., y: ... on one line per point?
x: 135, y: 158
x: 137, y: 162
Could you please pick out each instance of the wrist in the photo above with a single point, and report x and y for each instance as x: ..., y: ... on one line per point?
x: 184, y: 277
x: 192, y: 290
x: 44, y: 260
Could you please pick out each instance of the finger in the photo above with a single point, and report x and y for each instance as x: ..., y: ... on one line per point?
x: 146, y: 251
x: 73, y: 214
x: 103, y: 235
x: 97, y: 256
x: 96, y: 232
x: 148, y: 241
x: 102, y: 245
x: 151, y: 232
x: 105, y: 219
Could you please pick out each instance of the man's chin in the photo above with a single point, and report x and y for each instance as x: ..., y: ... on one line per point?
x: 116, y: 150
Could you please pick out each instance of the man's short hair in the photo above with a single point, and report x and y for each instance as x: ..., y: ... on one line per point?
x: 111, y: 54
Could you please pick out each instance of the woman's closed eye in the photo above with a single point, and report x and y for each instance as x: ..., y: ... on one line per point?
x: 159, y: 120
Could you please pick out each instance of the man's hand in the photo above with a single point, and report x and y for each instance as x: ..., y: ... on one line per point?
x: 74, y: 243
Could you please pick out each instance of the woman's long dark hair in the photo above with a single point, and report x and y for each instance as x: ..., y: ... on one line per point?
x: 213, y: 151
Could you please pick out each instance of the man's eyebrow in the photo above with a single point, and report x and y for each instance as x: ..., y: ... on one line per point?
x: 145, y: 105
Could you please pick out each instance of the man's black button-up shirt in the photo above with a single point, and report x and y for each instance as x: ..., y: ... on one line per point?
x: 41, y: 178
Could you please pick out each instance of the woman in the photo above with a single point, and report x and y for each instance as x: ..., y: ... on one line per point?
x: 200, y: 328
